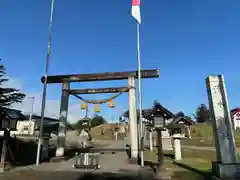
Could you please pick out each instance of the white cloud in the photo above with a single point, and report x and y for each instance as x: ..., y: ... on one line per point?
x: 52, y: 106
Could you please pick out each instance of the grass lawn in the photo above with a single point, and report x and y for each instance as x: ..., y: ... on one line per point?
x: 197, y: 142
x: 202, y: 135
x: 195, y: 164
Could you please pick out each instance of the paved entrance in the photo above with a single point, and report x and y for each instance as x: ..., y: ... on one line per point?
x: 113, y: 166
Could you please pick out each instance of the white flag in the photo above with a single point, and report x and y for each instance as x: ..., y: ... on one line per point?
x: 136, y: 10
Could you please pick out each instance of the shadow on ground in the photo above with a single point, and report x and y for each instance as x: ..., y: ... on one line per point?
x: 71, y: 175
x: 110, y: 176
x: 21, y: 153
x: 61, y: 175
x: 190, y: 170
x: 172, y: 174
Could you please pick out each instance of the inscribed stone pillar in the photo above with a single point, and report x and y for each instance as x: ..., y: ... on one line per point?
x: 226, y: 165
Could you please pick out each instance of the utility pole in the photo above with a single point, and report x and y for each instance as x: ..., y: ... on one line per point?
x: 40, y: 138
x: 31, y: 113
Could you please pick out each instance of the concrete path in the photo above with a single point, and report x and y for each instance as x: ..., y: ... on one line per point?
x: 113, y: 166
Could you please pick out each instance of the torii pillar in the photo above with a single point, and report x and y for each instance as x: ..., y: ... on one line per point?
x: 63, y: 119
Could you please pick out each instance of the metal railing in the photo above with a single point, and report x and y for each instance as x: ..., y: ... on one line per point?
x: 87, y: 161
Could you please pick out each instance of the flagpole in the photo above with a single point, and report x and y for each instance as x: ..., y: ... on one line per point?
x: 140, y: 94
x: 40, y: 137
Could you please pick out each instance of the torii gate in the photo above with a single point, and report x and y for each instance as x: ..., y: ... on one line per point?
x: 107, y: 76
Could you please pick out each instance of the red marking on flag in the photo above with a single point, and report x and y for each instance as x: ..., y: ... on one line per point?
x: 135, y: 2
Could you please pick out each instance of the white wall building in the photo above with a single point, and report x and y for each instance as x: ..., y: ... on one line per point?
x: 235, y: 115
x: 31, y: 127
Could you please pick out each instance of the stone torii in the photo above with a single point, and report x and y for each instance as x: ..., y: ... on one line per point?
x: 66, y: 80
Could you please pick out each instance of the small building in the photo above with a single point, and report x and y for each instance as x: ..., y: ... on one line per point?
x: 171, y: 118
x: 235, y: 116
x: 181, y: 122
x: 32, y: 127
x: 148, y: 114
x: 10, y: 117
x: 25, y: 126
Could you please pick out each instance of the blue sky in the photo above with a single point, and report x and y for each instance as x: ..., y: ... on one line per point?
x: 187, y: 40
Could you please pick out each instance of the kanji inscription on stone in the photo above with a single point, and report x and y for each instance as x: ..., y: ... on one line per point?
x: 221, y: 121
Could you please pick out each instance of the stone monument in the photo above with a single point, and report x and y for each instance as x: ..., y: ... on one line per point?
x: 226, y: 165
x: 84, y: 138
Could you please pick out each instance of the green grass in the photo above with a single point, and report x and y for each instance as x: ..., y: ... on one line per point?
x: 202, y: 135
x: 201, y: 159
x: 197, y: 142
x: 201, y: 130
x: 195, y: 164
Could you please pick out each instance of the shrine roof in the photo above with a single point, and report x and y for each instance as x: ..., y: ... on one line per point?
x: 38, y: 118
x: 147, y: 113
x: 13, y: 113
x: 184, y: 119
x: 234, y: 111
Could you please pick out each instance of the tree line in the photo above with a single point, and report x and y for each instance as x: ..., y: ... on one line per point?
x: 95, y: 121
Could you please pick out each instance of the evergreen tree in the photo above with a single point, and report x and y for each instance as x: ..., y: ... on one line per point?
x: 97, y: 120
x: 202, y: 114
x: 8, y: 96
